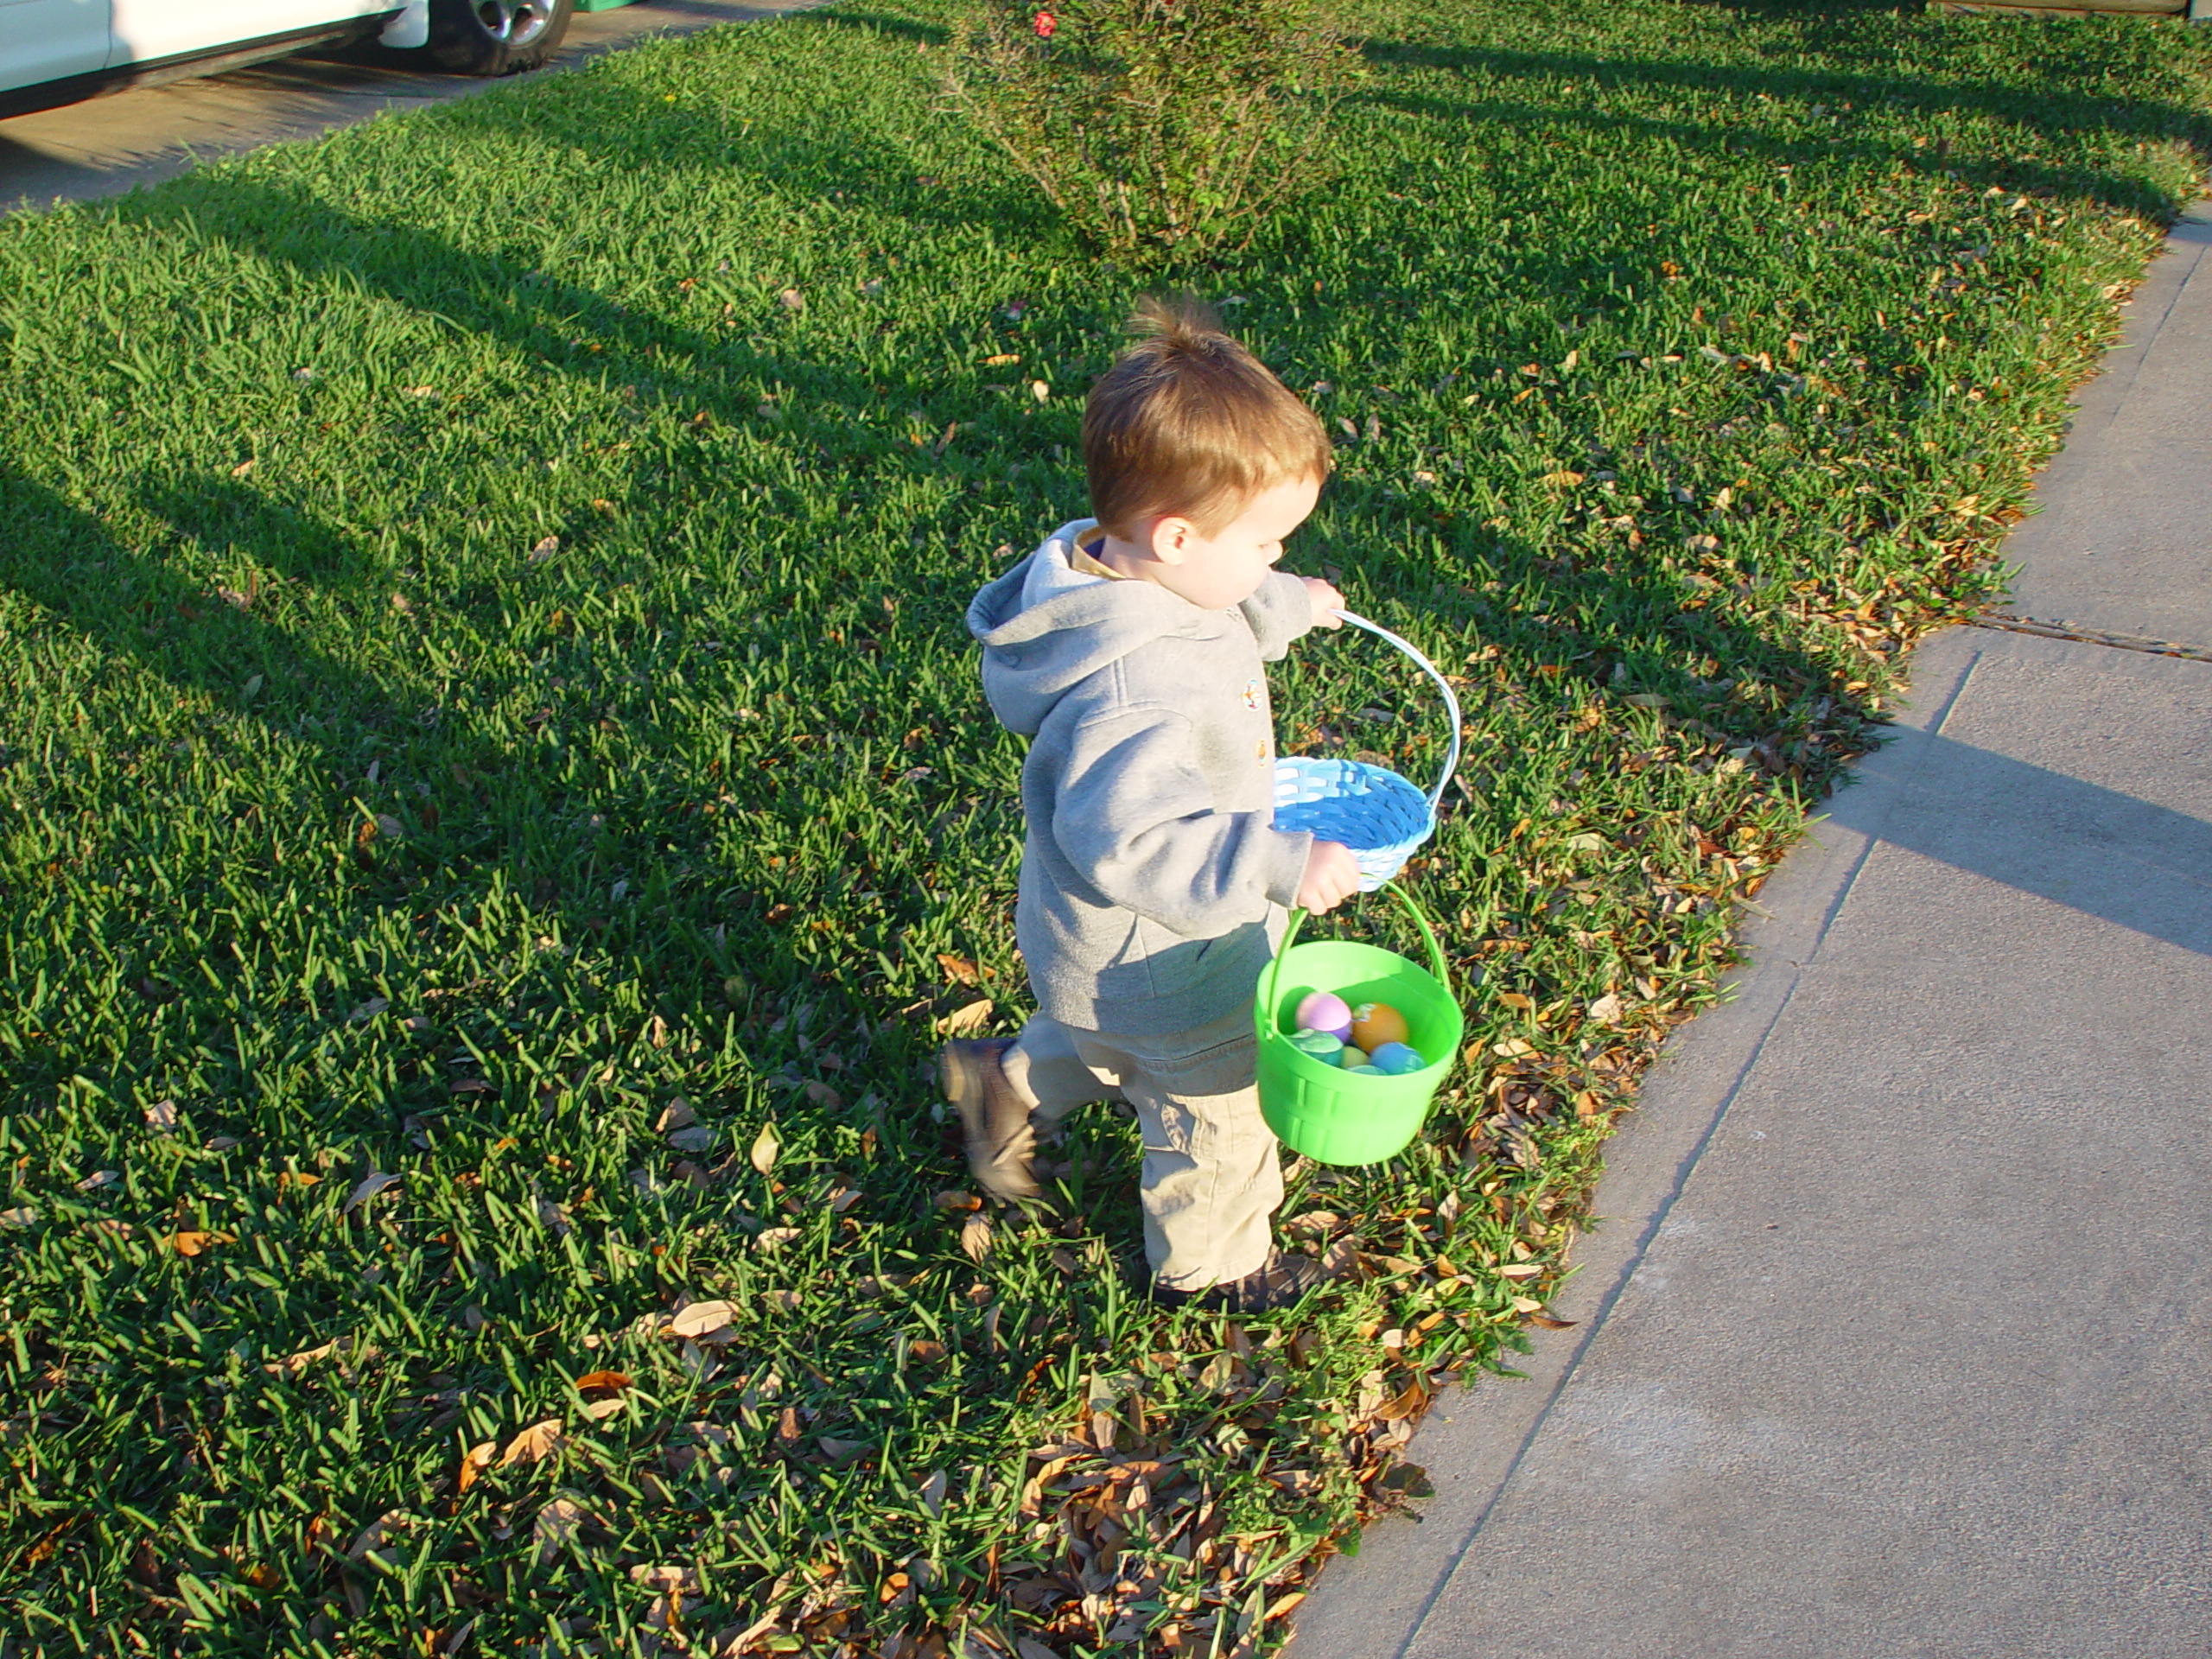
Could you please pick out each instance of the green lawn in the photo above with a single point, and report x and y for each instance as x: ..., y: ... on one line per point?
x: 479, y: 608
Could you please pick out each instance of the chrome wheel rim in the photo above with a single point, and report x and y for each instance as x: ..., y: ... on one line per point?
x: 515, y: 22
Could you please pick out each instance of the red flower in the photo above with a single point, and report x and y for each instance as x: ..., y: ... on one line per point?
x: 1045, y: 24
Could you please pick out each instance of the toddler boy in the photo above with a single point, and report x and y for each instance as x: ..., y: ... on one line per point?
x: 1128, y: 648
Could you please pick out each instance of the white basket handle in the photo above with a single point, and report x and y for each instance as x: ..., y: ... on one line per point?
x: 1451, y: 702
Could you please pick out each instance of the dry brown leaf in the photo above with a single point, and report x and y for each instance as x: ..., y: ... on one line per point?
x: 375, y: 1182
x: 191, y: 1243
x: 540, y: 1439
x: 1520, y: 1270
x: 822, y: 1095
x: 966, y: 1020
x: 1405, y: 1404
x: 926, y: 1351
x: 293, y: 1365
x: 1606, y: 1010
x: 474, y: 1462
x: 975, y: 1238
x: 681, y: 1580
x: 1561, y: 479
x: 160, y: 1116
x: 371, y: 1537
x: 775, y: 1238
x: 557, y: 1523
x: 700, y: 1317
x: 955, y: 1198
x: 1548, y: 1322
x: 1000, y: 359
x: 764, y: 1149
x: 678, y: 1116
x: 546, y: 550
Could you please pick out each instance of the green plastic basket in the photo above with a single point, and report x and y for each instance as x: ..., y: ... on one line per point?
x: 1330, y: 1115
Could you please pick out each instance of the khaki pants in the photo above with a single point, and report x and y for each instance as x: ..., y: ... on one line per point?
x: 1211, y: 1178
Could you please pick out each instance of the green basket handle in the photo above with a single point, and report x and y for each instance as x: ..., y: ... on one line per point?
x: 1298, y: 917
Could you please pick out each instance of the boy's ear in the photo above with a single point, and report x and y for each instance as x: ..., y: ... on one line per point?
x: 1171, y: 538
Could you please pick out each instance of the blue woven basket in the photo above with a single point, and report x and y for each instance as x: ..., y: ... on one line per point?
x: 1372, y: 809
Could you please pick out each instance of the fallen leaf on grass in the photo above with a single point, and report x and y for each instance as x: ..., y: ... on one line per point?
x: 191, y: 1243
x: 1545, y: 1321
x: 792, y: 300
x: 678, y: 1116
x: 822, y: 1095
x: 602, y: 1382
x: 557, y: 1523
x: 953, y: 1198
x: 375, y: 1182
x: 97, y: 1178
x: 600, y: 1410
x: 776, y: 1237
x: 962, y: 971
x: 764, y: 1149
x: 926, y: 1351
x: 1519, y: 1270
x: 371, y: 1537
x: 966, y: 1020
x: 700, y: 1317
x: 473, y: 1463
x: 933, y: 1494
x: 1000, y: 359
x: 540, y: 1439
x: 975, y: 1238
x: 840, y: 1451
x: 1606, y: 1010
x: 293, y: 1365
x: 546, y: 550
x: 680, y: 1579
x: 160, y: 1116
x: 22, y: 1215
x: 369, y: 1009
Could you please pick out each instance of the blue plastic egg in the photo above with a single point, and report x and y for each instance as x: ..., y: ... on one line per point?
x: 1395, y: 1060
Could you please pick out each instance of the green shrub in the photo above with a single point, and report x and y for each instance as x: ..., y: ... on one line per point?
x: 1164, y: 131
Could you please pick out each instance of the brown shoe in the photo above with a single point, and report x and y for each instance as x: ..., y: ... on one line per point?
x: 999, y: 1141
x: 1277, y: 1283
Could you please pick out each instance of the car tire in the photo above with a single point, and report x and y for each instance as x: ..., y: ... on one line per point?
x: 496, y: 37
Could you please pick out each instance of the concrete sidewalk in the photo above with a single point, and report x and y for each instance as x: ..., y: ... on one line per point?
x: 1894, y: 1330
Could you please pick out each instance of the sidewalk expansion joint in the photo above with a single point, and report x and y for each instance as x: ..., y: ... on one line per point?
x: 2090, y: 636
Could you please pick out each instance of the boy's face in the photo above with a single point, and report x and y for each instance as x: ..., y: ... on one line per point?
x: 1226, y: 568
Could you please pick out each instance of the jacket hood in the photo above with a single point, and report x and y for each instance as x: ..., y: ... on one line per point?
x: 1046, y: 626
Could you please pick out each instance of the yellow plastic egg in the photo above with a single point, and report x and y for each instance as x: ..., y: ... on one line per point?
x: 1374, y: 1024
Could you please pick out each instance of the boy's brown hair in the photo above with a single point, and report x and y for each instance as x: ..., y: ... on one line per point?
x: 1189, y: 422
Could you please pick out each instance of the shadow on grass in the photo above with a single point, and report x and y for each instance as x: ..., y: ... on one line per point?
x: 2036, y: 112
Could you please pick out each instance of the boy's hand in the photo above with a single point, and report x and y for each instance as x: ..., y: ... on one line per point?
x: 1327, y: 602
x: 1331, y: 876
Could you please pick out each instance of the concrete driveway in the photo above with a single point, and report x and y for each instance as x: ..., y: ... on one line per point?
x: 105, y: 145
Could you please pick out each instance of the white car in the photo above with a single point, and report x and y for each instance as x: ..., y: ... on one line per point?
x: 58, y: 51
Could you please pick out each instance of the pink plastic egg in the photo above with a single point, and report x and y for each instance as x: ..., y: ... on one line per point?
x: 1326, y: 1011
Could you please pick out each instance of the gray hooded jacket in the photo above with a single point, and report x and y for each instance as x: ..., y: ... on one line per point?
x: 1154, y: 882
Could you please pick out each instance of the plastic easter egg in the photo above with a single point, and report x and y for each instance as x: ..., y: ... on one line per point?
x: 1396, y: 1060
x: 1369, y: 1072
x: 1351, y: 1059
x: 1326, y: 1011
x: 1374, y: 1024
x: 1321, y: 1044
